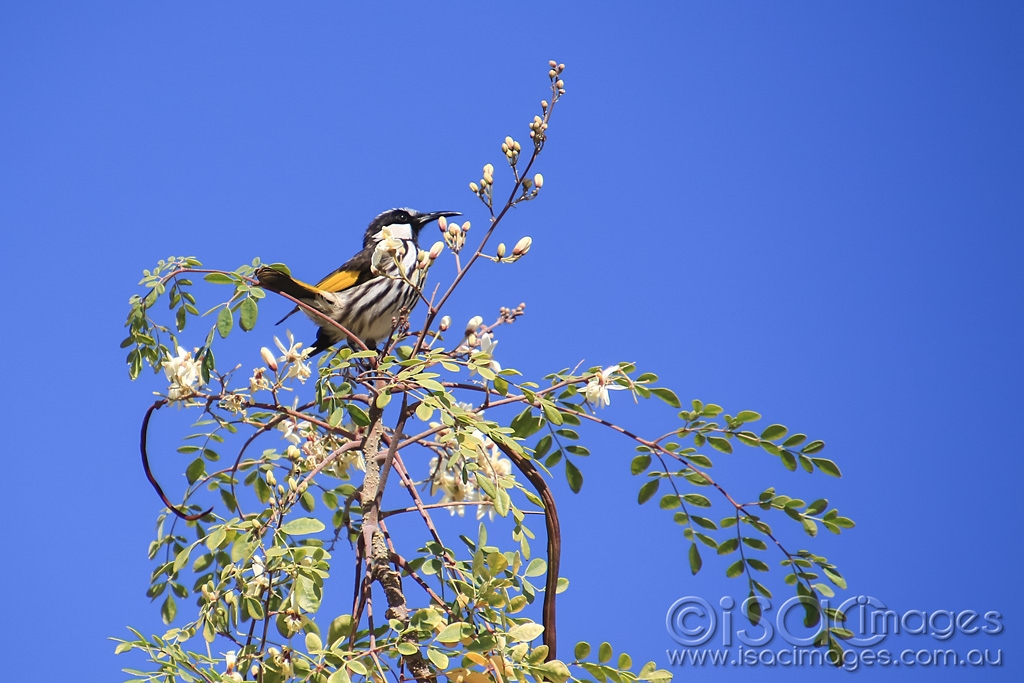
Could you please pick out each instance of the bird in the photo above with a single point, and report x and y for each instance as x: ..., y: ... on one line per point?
x: 362, y: 296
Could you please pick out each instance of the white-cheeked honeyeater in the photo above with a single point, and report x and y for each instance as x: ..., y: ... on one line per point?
x: 363, y: 300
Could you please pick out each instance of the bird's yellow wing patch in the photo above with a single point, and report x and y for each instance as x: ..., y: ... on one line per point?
x: 336, y: 282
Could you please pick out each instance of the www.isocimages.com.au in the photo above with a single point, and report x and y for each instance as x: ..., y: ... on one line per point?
x: 850, y: 660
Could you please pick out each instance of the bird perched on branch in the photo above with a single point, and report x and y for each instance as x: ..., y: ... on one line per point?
x: 366, y: 293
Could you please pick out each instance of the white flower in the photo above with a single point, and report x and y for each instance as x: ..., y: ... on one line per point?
x: 389, y: 247
x: 453, y: 489
x: 290, y: 431
x: 183, y: 372
x: 487, y: 344
x: 597, y: 388
x: 294, y: 358
x: 258, y: 380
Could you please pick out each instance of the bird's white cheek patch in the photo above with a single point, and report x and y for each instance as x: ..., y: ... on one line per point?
x: 402, y: 231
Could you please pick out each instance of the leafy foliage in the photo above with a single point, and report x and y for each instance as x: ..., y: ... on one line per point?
x: 309, y: 463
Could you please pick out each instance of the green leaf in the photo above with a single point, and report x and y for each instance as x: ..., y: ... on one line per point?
x: 247, y: 313
x: 648, y: 490
x: 813, y: 447
x: 827, y: 466
x: 816, y: 507
x: 313, y: 642
x: 668, y: 396
x: 454, y: 632
x: 526, y: 424
x: 773, y: 432
x: 757, y: 565
x: 224, y: 322
x: 669, y: 501
x: 358, y: 415
x: 169, y: 609
x: 747, y: 416
x: 537, y: 567
x: 794, y: 440
x: 438, y: 658
x: 195, y: 469
x: 640, y: 463
x: 734, y: 569
x: 695, y: 562
x: 219, y: 278
x: 336, y: 418
x: 383, y: 399
x: 697, y: 499
x: 582, y: 650
x: 339, y: 676
x: 720, y: 444
x: 604, y: 652
x: 303, y: 526
x: 728, y: 546
x: 524, y: 633
x: 551, y: 413
x: 755, y: 543
x: 754, y: 610
x: 424, y: 412
x: 573, y: 476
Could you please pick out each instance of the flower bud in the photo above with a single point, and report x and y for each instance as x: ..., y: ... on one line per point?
x: 268, y: 358
x: 560, y: 83
x: 543, y: 104
x: 552, y: 63
x: 442, y: 222
x: 445, y: 323
x: 474, y: 187
x: 538, y: 180
x: 552, y: 74
x: 435, y: 250
x: 509, y: 142
x: 522, y: 246
x: 488, y: 169
x: 501, y: 250
x: 474, y: 322
x: 465, y: 227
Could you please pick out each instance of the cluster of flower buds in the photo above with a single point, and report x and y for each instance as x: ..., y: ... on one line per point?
x: 509, y: 315
x: 531, y: 186
x: 453, y: 233
x: 510, y: 148
x: 555, y: 74
x: 485, y: 187
x: 537, y: 128
x: 518, y: 251
x: 425, y: 259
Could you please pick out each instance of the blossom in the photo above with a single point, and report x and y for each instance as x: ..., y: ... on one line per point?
x: 294, y: 358
x: 290, y: 431
x: 597, y: 388
x: 389, y: 246
x: 258, y: 380
x: 183, y: 372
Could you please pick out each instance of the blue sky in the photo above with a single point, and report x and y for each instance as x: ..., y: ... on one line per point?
x: 810, y: 210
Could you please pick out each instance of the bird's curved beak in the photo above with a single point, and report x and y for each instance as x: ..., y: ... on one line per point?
x: 430, y: 217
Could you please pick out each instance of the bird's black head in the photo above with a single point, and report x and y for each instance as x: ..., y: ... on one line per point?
x: 404, y: 223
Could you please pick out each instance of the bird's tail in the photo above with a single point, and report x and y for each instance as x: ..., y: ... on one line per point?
x: 282, y: 283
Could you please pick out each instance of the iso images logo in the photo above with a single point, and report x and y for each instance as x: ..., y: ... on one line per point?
x: 720, y: 635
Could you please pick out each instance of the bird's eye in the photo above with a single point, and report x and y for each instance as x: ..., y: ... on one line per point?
x: 403, y: 217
